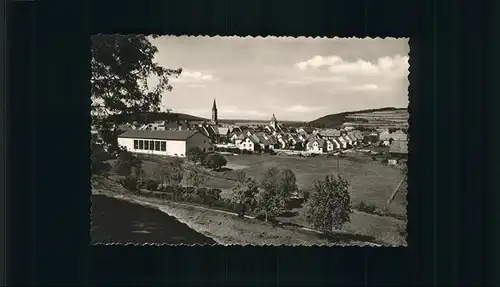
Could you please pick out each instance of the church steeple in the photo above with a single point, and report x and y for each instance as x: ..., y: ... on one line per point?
x: 273, y: 122
x: 214, y: 114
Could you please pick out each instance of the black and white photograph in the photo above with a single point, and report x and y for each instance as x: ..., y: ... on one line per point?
x: 249, y: 140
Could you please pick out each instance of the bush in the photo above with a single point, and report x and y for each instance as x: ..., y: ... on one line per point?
x: 126, y: 162
x: 244, y: 151
x: 368, y: 208
x: 306, y: 194
x: 152, y: 185
x: 215, y: 161
x: 196, y: 155
x: 129, y: 183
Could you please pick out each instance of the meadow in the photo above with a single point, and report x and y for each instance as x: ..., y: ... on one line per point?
x: 371, y: 182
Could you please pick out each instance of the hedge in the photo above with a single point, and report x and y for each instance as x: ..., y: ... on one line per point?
x: 203, y: 196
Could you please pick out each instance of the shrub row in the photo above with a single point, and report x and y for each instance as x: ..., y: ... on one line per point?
x: 199, y: 198
x: 372, y: 209
x: 202, y: 196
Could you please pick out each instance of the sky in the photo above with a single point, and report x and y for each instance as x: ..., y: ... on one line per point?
x: 297, y: 79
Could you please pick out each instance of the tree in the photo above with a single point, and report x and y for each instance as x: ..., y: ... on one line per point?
x: 121, y: 66
x: 244, y: 194
x: 126, y: 163
x: 330, y: 204
x: 197, y: 178
x: 195, y: 154
x: 215, y: 161
x: 98, y: 157
x: 288, y: 183
x: 270, y: 199
x: 176, y: 172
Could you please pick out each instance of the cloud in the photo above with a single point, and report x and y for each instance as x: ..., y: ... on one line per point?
x: 303, y: 109
x: 304, y: 81
x: 193, y: 77
x: 384, y: 66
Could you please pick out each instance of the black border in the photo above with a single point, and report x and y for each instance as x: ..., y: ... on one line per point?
x: 3, y: 141
x: 450, y: 173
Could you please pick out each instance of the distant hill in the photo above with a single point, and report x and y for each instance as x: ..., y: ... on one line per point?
x: 260, y: 122
x: 336, y: 120
x: 160, y: 116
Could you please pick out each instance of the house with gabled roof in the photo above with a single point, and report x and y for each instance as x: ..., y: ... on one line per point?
x: 328, y: 133
x: 384, y: 134
x: 317, y: 146
x: 249, y: 143
x: 236, y: 129
x: 306, y: 130
x: 353, y: 138
x: 399, y: 135
x: 347, y: 140
x: 336, y: 144
x: 342, y: 142
x: 294, y: 142
x: 223, y: 133
x: 263, y: 141
x: 302, y: 136
x: 398, y: 149
x: 240, y: 138
x: 329, y: 145
x: 283, y: 144
x: 166, y: 143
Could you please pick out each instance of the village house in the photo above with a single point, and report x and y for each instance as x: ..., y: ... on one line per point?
x: 329, y: 133
x: 294, y: 142
x: 223, y: 133
x: 330, y: 146
x: 305, y: 130
x: 342, y: 142
x: 354, y: 139
x: 249, y: 143
x: 317, y: 146
x: 398, y: 149
x: 265, y: 144
x: 239, y: 139
x: 383, y: 135
x: 347, y: 140
x: 399, y: 135
x: 165, y: 143
x: 302, y: 136
x: 233, y: 136
x: 356, y: 134
x: 283, y: 144
x: 335, y: 143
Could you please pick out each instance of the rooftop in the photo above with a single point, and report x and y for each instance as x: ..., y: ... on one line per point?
x: 160, y: 135
x: 400, y: 147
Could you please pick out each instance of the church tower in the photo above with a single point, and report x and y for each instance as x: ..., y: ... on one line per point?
x: 215, y: 120
x: 273, y: 122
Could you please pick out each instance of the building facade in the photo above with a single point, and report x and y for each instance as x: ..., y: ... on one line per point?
x: 164, y: 143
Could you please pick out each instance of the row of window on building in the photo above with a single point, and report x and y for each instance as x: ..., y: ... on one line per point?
x: 150, y: 145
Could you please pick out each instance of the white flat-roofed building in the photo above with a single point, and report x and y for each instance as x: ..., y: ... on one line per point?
x: 166, y: 143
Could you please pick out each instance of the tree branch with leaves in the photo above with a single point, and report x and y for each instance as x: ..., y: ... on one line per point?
x: 122, y: 70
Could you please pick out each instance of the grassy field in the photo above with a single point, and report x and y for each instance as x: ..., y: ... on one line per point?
x: 370, y: 182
